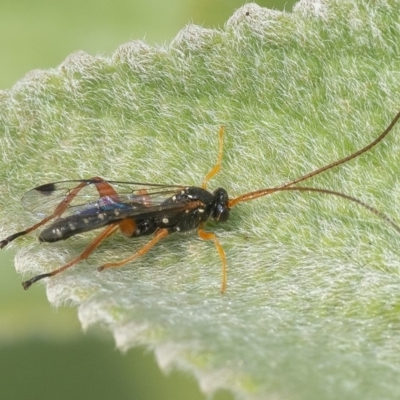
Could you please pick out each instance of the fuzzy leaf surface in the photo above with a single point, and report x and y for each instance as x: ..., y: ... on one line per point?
x: 313, y: 300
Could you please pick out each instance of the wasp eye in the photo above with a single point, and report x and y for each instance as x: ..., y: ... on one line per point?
x: 221, y: 213
x: 220, y: 209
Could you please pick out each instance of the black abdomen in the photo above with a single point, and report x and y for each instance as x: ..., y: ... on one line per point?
x: 63, y: 228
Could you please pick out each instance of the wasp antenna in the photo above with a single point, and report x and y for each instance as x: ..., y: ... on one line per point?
x: 264, y: 192
x: 374, y: 210
x: 348, y: 158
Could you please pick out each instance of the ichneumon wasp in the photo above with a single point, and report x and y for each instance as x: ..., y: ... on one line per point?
x: 138, y: 209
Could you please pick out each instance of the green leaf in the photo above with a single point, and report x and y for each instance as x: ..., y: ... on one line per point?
x: 312, y: 305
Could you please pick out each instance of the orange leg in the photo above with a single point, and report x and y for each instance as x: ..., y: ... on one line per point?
x: 211, y: 236
x: 160, y: 234
x: 104, y: 189
x: 111, y: 229
x: 217, y: 166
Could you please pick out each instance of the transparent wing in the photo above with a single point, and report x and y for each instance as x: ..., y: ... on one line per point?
x: 128, y: 197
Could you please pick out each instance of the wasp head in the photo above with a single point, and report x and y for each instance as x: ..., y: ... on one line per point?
x: 220, y: 210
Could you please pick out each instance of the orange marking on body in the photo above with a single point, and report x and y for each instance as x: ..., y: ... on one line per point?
x: 127, y: 227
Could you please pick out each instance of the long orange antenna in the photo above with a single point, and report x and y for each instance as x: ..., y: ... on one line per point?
x: 263, y: 192
x: 375, y: 211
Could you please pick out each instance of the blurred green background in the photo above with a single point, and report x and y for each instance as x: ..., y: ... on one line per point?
x: 43, y: 352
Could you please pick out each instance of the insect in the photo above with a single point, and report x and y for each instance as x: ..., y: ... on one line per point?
x: 138, y: 209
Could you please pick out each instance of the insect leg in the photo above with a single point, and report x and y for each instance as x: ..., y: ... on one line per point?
x: 217, y: 166
x: 104, y: 189
x: 85, y: 254
x: 211, y: 236
x: 160, y: 234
